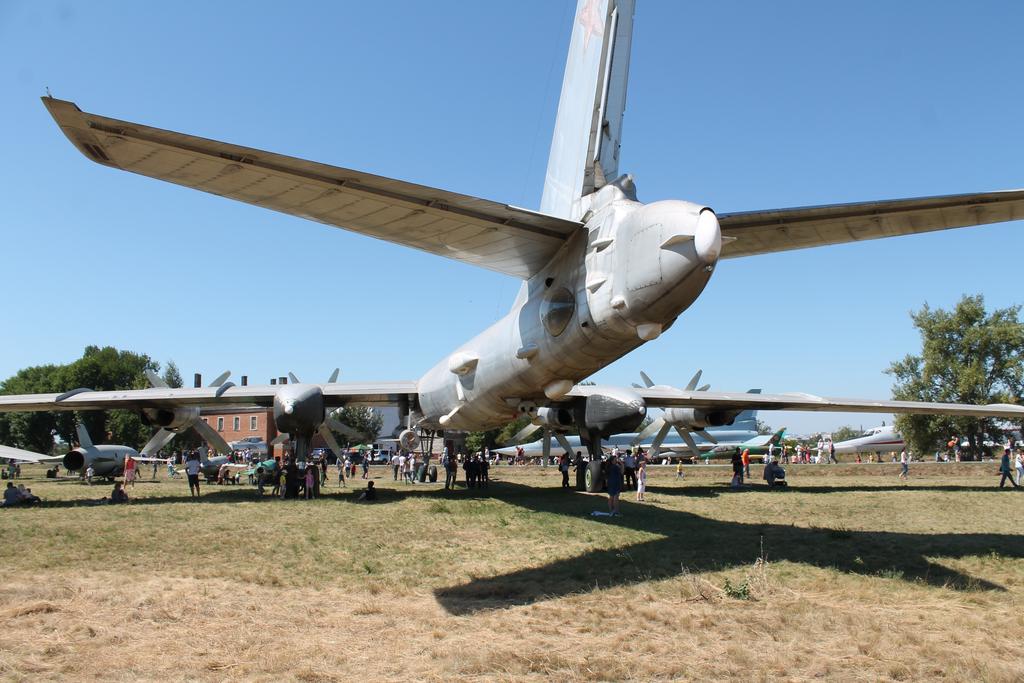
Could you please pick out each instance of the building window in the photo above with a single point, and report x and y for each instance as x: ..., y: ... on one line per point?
x: 253, y: 423
x: 237, y: 424
x: 220, y: 424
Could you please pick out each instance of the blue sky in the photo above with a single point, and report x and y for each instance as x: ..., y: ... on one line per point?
x: 739, y: 105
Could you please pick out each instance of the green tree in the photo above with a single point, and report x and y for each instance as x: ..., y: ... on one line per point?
x: 764, y: 428
x: 173, y: 376
x: 363, y: 419
x: 102, y: 369
x: 967, y: 356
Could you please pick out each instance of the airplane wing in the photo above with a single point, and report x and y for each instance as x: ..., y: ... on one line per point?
x: 26, y: 456
x: 763, y: 232
x: 670, y: 397
x: 335, y: 394
x: 496, y: 236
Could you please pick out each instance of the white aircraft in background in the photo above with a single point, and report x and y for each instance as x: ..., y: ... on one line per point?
x: 602, y: 273
x: 106, y: 460
x: 882, y: 439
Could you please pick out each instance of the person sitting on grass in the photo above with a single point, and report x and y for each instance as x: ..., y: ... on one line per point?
x: 11, y: 496
x: 369, y: 495
x: 774, y: 474
x: 118, y: 495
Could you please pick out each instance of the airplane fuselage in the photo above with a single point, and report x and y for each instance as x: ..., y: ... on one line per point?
x: 879, y: 440
x: 618, y: 282
x: 106, y: 460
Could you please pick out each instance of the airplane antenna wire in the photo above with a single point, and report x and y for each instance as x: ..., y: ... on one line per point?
x: 570, y: 9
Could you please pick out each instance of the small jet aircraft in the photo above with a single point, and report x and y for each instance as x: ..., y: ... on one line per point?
x: 602, y: 273
x: 757, y: 447
x: 106, y: 460
x: 875, y: 440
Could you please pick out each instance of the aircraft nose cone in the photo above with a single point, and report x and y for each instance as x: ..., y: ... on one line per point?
x: 708, y: 237
x: 289, y: 407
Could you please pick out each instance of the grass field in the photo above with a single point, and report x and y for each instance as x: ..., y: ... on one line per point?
x: 850, y: 575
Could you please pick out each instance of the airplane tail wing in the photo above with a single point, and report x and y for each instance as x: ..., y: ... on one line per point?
x: 83, y: 436
x: 748, y: 418
x: 588, y: 127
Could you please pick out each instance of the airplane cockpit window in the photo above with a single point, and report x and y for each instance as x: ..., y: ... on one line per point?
x: 556, y: 310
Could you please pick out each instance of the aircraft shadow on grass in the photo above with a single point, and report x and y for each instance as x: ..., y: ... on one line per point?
x: 688, y: 541
x: 700, y: 544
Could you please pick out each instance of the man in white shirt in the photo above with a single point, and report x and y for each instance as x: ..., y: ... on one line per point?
x: 192, y: 467
x: 395, y: 464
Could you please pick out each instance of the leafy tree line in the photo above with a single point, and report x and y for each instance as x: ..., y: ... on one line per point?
x: 102, y: 369
x: 967, y: 356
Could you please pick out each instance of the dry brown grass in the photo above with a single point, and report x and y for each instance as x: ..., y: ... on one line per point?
x: 850, y: 576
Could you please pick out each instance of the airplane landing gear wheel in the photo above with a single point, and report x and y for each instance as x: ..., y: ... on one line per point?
x: 432, y: 474
x: 594, y: 477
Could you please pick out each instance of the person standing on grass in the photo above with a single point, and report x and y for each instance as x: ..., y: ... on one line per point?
x: 904, y: 465
x: 737, y: 470
x: 746, y: 461
x: 395, y: 464
x: 641, y: 480
x: 366, y: 464
x: 310, y: 478
x: 484, y: 474
x: 1004, y: 469
x: 341, y: 473
x: 563, y: 467
x: 1020, y: 466
x: 451, y: 471
x: 679, y: 469
x: 629, y: 470
x: 613, y: 479
x: 192, y: 467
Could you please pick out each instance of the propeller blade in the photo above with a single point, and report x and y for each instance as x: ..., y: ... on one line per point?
x: 704, y: 387
x: 334, y: 376
x: 564, y: 443
x: 690, y: 443
x: 646, y: 379
x: 220, y: 378
x: 707, y: 436
x: 280, y: 439
x: 293, y: 379
x: 157, y: 441
x: 156, y: 380
x: 655, y: 445
x: 342, y: 428
x: 693, y: 381
x: 523, y: 435
x: 211, y: 436
x: 328, y: 437
x: 650, y: 429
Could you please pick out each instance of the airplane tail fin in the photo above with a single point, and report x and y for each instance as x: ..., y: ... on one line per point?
x: 748, y: 418
x: 777, y: 437
x: 84, y: 439
x: 588, y: 127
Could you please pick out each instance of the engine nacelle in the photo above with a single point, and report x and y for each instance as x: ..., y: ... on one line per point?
x: 74, y: 461
x: 610, y: 410
x: 693, y: 418
x: 553, y: 417
x: 171, y: 419
x: 409, y: 440
x: 298, y: 409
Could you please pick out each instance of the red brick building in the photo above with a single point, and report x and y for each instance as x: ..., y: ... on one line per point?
x: 234, y: 424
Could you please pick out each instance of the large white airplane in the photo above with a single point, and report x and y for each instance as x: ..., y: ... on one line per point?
x: 602, y: 273
x: 875, y: 440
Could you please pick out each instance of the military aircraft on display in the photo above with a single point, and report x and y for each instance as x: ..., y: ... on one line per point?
x: 602, y: 272
x: 106, y: 460
x: 875, y: 440
x: 756, y: 447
